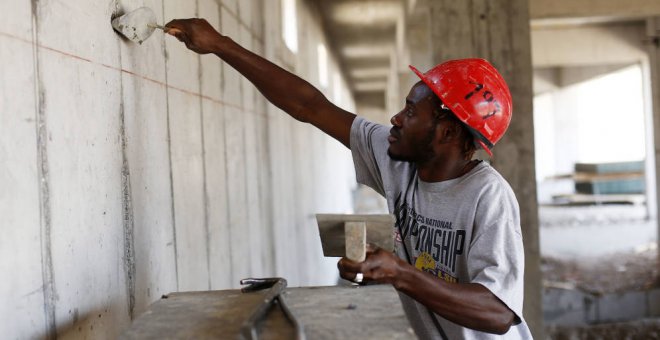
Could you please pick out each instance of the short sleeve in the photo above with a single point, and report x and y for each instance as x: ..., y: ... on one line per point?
x: 369, y: 148
x: 496, y: 257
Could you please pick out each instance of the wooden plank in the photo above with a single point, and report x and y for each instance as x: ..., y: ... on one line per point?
x: 624, y: 186
x: 366, y: 312
x: 613, y: 167
x: 584, y: 199
x: 589, y: 177
x: 356, y: 240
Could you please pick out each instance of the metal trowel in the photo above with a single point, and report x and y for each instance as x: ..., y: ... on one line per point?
x: 137, y: 25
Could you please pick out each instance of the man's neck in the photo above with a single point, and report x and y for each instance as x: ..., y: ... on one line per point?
x: 438, y: 170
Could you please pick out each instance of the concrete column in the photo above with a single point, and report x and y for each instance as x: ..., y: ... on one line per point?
x: 498, y: 30
x: 417, y: 47
x: 653, y: 34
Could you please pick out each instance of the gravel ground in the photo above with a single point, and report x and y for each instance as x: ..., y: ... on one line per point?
x: 647, y: 329
x: 612, y: 269
x: 608, y: 274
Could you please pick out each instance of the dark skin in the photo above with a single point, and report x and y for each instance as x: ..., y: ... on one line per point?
x: 418, y: 135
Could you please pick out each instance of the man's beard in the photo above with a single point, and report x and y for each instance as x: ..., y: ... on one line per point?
x: 398, y: 157
x: 417, y: 157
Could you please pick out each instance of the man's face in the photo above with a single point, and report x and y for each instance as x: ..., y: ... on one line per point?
x: 411, y: 137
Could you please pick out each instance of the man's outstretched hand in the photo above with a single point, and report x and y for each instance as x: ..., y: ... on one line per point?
x: 197, y: 34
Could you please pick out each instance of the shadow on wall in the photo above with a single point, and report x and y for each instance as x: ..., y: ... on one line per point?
x: 83, y: 326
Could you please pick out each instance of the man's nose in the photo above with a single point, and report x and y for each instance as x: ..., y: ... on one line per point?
x: 395, y: 120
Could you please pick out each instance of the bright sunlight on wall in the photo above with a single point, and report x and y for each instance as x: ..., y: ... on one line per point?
x: 290, y: 24
x: 323, y: 64
x: 595, y: 121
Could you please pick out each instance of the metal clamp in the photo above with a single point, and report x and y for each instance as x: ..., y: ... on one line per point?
x: 276, y: 286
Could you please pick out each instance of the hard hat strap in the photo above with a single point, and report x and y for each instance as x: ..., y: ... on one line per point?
x: 477, y: 135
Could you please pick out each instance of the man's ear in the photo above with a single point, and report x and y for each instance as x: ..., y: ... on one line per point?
x: 450, y: 132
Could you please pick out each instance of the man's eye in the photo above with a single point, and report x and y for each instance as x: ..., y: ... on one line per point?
x: 409, y: 111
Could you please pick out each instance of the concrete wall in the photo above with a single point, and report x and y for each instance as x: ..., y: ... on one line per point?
x: 574, y: 307
x: 130, y: 171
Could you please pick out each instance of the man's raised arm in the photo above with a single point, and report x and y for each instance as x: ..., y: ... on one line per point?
x: 285, y: 90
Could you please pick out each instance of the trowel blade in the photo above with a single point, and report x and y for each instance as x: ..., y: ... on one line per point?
x: 137, y: 25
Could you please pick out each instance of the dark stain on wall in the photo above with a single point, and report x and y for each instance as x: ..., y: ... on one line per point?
x: 44, y: 186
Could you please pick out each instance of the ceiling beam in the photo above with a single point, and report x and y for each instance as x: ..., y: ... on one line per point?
x: 557, y: 9
x: 588, y: 45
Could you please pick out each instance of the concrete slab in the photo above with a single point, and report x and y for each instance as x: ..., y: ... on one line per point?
x: 622, y: 307
x: 148, y: 161
x: 247, y: 89
x: 16, y: 20
x: 653, y: 301
x: 220, y: 231
x: 20, y: 244
x: 182, y: 64
x: 565, y: 307
x: 231, y: 5
x: 265, y: 191
x: 184, y: 108
x: 188, y: 189
x: 231, y: 78
x: 80, y: 29
x: 213, y: 119
x: 210, y: 64
x: 283, y: 193
x: 85, y: 164
x: 258, y: 10
x: 372, y: 312
x: 327, y: 312
x: 245, y: 12
x: 303, y: 199
x: 254, y: 219
x: 236, y: 183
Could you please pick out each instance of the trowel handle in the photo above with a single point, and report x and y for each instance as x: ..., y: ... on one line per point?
x: 156, y: 26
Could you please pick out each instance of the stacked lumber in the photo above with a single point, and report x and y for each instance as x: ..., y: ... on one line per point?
x: 606, y: 183
x: 610, y: 178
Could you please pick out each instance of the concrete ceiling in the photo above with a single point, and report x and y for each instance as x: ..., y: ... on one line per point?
x: 362, y: 33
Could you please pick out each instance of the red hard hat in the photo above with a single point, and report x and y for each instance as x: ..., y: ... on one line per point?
x: 476, y: 93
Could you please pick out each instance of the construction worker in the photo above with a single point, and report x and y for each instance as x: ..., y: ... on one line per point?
x: 458, y: 262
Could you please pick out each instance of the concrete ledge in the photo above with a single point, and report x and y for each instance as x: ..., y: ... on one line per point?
x: 572, y: 307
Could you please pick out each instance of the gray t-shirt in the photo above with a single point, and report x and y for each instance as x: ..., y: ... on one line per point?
x: 464, y: 230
